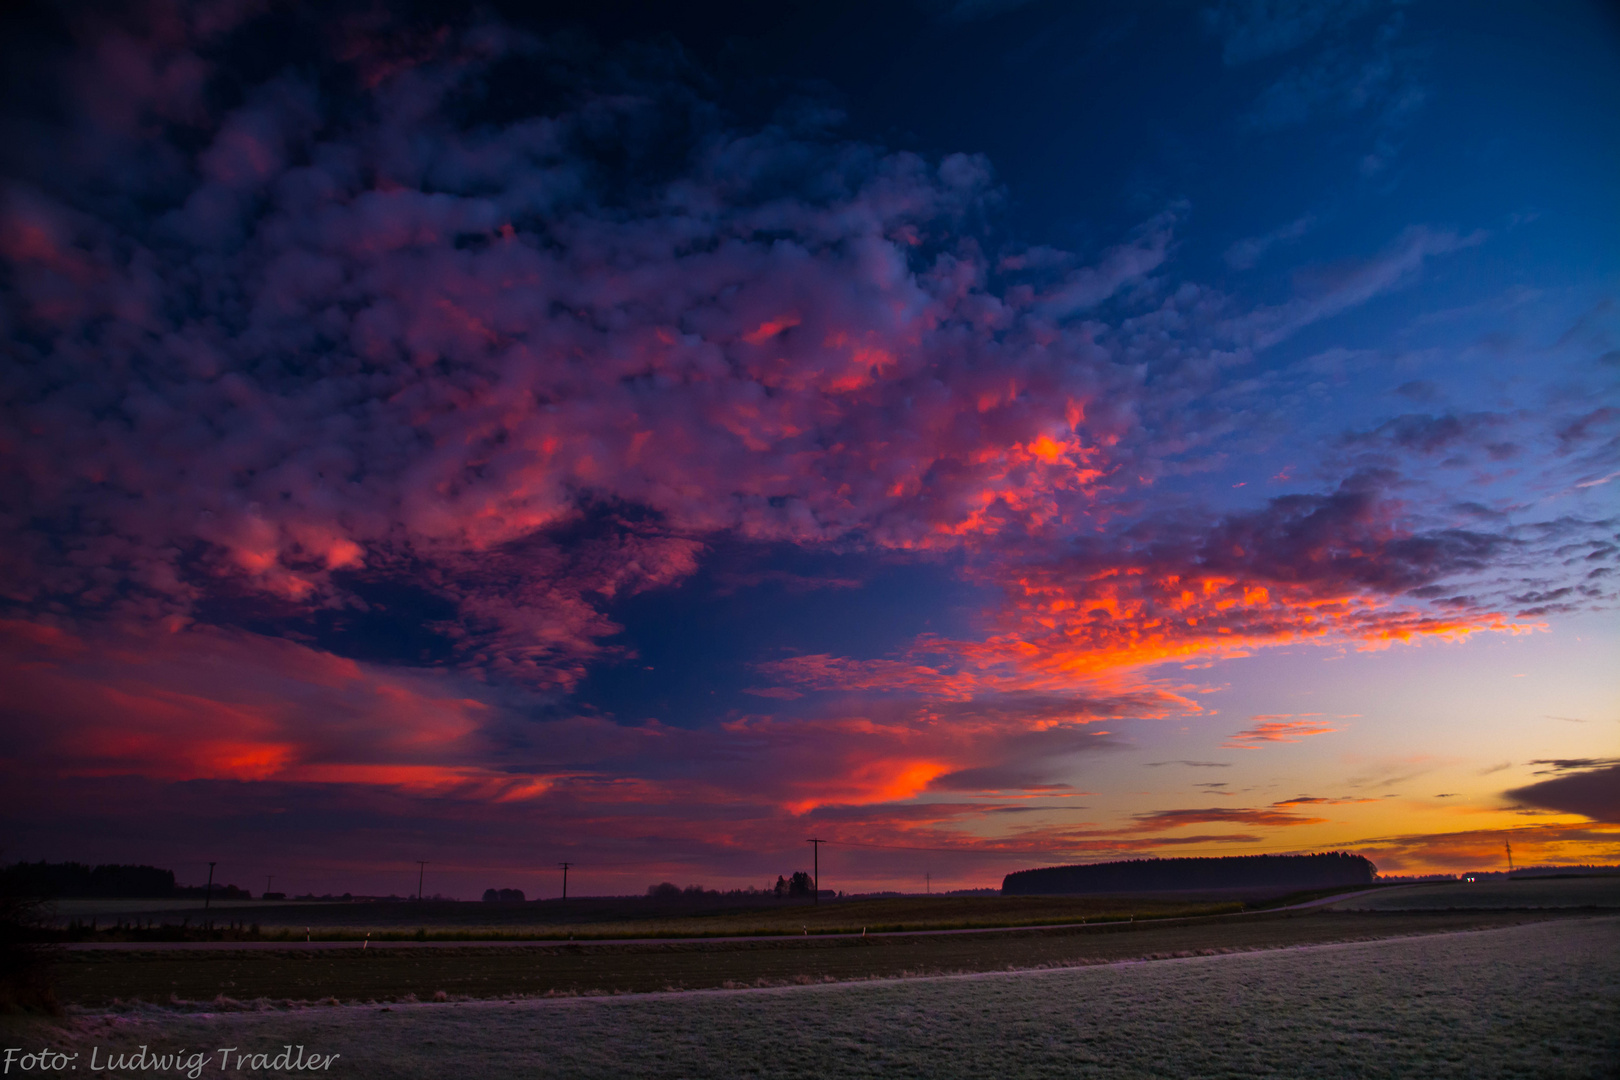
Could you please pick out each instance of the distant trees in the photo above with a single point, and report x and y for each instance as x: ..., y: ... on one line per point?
x: 78, y: 879
x: 800, y: 884
x: 218, y: 892
x: 493, y: 896
x: 668, y: 890
x: 73, y: 879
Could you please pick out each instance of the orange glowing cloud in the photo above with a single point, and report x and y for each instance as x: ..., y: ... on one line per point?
x: 213, y: 705
x: 1326, y: 570
x: 871, y: 782
x: 1283, y: 728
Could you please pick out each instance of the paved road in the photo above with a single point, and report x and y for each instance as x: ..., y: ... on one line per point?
x: 552, y: 943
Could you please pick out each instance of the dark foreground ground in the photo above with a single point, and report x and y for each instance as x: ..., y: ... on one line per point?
x: 1537, y: 1000
x: 619, y: 917
x: 221, y: 977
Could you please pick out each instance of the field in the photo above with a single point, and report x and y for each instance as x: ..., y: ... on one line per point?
x: 631, y: 917
x: 1540, y: 999
x: 100, y: 977
x: 1524, y: 894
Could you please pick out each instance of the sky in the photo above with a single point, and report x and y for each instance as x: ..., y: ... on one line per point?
x: 980, y: 434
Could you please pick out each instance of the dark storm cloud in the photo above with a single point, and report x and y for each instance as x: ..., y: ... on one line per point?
x: 1564, y: 765
x: 1590, y: 792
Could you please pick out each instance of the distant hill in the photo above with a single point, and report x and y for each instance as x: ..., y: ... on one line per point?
x: 1170, y: 875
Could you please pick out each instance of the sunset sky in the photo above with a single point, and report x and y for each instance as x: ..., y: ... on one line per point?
x: 982, y: 434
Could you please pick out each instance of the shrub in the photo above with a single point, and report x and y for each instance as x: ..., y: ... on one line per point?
x: 492, y: 896
x: 24, y: 957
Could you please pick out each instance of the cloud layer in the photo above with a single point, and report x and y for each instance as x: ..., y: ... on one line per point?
x: 345, y: 402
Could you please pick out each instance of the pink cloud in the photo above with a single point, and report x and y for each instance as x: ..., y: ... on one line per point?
x: 193, y: 705
x: 1285, y: 728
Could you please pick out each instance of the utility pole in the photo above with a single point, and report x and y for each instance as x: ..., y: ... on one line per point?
x: 208, y: 893
x: 268, y: 878
x: 1509, y: 845
x: 421, y: 869
x: 815, y: 846
x: 565, y: 866
x: 928, y: 884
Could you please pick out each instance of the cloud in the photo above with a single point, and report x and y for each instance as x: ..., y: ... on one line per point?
x: 1592, y: 793
x: 1427, y: 434
x: 1089, y: 286
x: 1482, y: 849
x: 1253, y: 29
x: 1275, y: 729
x: 1245, y: 253
x: 370, y: 343
x: 202, y: 704
x: 1080, y: 626
x: 1340, y: 81
x: 526, y: 395
x: 1331, y: 290
x: 1303, y: 568
x: 196, y: 705
x: 1316, y: 800
x: 1563, y: 765
x: 1174, y: 819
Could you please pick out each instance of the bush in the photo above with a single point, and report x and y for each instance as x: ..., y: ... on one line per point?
x: 492, y: 896
x: 24, y: 957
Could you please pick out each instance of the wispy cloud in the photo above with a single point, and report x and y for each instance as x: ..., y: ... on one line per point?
x: 1245, y: 253
x: 1284, y: 728
x: 1175, y: 819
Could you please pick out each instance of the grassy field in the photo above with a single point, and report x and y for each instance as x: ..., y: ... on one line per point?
x: 1598, y: 892
x: 626, y: 917
x: 1536, y: 1000
x: 101, y: 977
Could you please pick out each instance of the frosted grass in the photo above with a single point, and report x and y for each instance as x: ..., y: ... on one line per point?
x: 1493, y: 893
x: 1540, y: 1000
